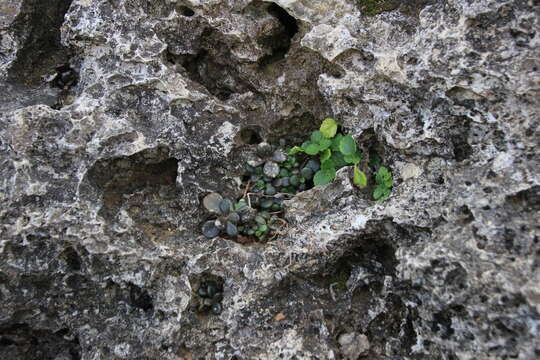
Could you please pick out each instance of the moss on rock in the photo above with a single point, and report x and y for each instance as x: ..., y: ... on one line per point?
x: 374, y: 7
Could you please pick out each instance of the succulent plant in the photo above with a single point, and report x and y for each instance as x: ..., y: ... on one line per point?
x: 227, y: 216
x: 271, y: 177
x: 211, y: 294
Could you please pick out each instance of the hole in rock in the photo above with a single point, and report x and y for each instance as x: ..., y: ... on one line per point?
x: 462, y: 149
x: 65, y: 78
x: 294, y: 130
x: 344, y: 293
x: 249, y: 136
x: 42, y: 49
x: 207, y: 296
x: 214, y: 72
x: 280, y: 41
x: 213, y: 67
x: 288, y: 22
x: 526, y: 200
x: 140, y: 298
x: 20, y: 341
x: 143, y: 186
x: 72, y: 259
x: 185, y: 11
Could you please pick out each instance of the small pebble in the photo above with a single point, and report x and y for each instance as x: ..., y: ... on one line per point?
x: 209, y: 229
x: 207, y: 302
x: 271, y: 169
x: 285, y: 182
x: 294, y: 180
x: 283, y: 173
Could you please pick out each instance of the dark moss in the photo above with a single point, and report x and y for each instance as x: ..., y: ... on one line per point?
x: 374, y: 7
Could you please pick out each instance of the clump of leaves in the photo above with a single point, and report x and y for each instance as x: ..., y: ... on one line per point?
x: 227, y: 216
x: 384, y: 181
x: 335, y: 151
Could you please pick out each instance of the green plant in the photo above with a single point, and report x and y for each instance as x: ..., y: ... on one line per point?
x: 335, y: 151
x: 384, y: 181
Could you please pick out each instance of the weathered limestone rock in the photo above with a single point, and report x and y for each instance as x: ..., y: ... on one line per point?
x: 117, y: 117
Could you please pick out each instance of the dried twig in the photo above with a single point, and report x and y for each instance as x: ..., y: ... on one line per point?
x: 247, y: 189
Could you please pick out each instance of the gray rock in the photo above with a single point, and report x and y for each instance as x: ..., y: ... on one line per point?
x: 353, y: 345
x: 100, y: 213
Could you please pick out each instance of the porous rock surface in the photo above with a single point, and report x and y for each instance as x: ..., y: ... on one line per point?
x: 102, y: 179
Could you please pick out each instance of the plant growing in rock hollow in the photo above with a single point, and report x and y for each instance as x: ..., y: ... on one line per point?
x: 335, y: 151
x: 271, y: 176
x: 227, y: 217
x: 384, y: 181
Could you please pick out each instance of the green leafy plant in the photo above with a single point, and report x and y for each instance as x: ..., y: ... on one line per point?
x: 384, y: 181
x: 335, y: 151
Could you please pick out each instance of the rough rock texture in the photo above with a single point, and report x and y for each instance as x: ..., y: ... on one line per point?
x: 102, y: 177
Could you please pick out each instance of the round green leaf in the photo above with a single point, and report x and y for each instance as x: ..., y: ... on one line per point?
x: 328, y: 165
x: 347, y: 146
x: 316, y: 136
x: 329, y: 128
x: 352, y: 159
x: 336, y: 141
x: 383, y: 175
x: 312, y: 149
x: 324, y: 144
x: 359, y: 178
x: 378, y: 192
x: 338, y: 159
x: 323, y: 177
x: 325, y: 155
